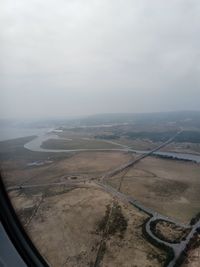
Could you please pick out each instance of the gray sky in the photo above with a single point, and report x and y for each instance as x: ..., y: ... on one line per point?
x: 74, y: 57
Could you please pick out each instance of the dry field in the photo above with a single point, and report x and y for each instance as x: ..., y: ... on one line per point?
x: 93, y: 163
x: 63, y: 221
x: 82, y: 165
x: 170, y: 187
x: 64, y: 226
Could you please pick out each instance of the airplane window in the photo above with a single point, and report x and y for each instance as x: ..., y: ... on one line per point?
x: 100, y: 129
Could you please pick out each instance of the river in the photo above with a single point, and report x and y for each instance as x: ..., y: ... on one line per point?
x: 43, y: 134
x: 35, y: 145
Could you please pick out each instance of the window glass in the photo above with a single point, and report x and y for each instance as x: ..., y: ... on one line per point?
x: 100, y: 129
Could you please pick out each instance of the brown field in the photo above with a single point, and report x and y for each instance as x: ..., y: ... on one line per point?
x: 63, y: 221
x: 82, y: 164
x: 64, y: 228
x: 168, y: 186
x: 94, y: 162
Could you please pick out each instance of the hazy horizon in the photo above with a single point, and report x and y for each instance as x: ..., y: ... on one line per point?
x: 75, y: 58
x: 77, y: 117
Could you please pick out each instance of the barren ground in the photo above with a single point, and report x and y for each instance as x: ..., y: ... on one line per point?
x: 63, y: 225
x: 170, y: 187
x: 63, y: 220
x: 82, y: 164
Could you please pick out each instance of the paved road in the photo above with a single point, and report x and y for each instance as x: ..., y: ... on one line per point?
x: 177, y: 248
x: 133, y: 162
x: 35, y: 145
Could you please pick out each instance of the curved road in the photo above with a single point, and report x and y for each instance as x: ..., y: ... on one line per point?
x: 177, y: 248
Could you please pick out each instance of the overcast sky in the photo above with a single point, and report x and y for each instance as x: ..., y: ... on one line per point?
x: 75, y: 57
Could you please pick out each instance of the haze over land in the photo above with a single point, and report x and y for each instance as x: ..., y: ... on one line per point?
x: 109, y: 189
x: 100, y: 129
x: 61, y: 58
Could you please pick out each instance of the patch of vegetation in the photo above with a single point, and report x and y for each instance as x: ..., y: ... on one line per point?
x: 194, y: 243
x: 195, y: 219
x: 170, y: 253
x: 113, y: 222
x: 100, y: 254
x: 101, y: 225
x: 73, y: 177
x: 118, y: 222
x: 185, y: 136
x: 153, y: 136
x: 168, y: 157
x: 168, y: 187
x: 160, y: 258
x: 188, y: 136
x: 25, y: 214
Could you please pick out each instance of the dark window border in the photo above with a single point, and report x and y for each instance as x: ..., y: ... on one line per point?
x: 16, y: 232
